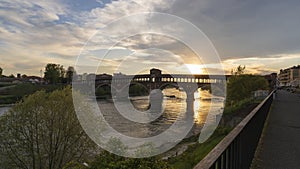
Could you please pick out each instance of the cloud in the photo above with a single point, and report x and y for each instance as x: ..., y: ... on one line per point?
x: 245, y: 28
x: 55, y: 31
x: 99, y: 17
x: 263, y: 65
x: 29, y: 32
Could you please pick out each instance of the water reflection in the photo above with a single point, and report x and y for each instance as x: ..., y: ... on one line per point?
x: 174, y: 103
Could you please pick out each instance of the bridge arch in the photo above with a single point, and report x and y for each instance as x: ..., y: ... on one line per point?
x: 102, y: 85
x: 165, y: 85
x: 104, y: 89
x: 144, y: 89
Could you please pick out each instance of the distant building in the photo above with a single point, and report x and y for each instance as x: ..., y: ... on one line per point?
x: 119, y: 74
x: 261, y: 93
x: 17, y: 81
x: 295, y: 83
x: 272, y: 79
x: 34, y: 79
x: 289, y: 76
x: 27, y: 79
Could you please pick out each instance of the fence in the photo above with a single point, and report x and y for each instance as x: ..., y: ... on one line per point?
x: 237, y: 149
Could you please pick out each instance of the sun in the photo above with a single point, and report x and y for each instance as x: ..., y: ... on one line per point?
x: 195, y: 69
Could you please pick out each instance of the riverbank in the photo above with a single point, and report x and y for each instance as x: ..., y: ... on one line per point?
x: 7, y: 105
x: 189, y: 152
x: 11, y: 94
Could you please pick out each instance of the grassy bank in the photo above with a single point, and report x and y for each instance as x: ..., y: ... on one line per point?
x: 196, y: 152
x: 13, y: 94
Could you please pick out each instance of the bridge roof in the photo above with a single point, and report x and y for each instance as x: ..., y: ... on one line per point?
x: 109, y: 77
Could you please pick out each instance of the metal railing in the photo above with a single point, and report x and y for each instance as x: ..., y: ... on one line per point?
x: 237, y: 149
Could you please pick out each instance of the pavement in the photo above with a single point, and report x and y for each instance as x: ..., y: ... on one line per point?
x: 280, y: 145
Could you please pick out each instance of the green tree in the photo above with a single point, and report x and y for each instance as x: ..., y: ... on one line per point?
x: 241, y: 86
x: 54, y: 73
x: 103, y: 91
x: 137, y: 90
x: 43, y: 132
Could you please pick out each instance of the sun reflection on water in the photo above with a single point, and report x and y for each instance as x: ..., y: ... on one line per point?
x: 202, y: 105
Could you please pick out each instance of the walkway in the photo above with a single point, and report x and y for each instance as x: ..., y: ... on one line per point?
x: 280, y: 146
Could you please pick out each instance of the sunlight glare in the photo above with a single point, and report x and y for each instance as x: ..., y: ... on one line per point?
x: 195, y: 69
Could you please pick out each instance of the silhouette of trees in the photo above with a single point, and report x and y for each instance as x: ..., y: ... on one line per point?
x: 241, y: 86
x: 24, y: 76
x: 1, y: 71
x: 239, y: 70
x: 54, y: 73
x: 11, y: 76
x: 43, y: 132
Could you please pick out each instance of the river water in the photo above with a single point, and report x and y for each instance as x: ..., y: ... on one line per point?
x: 174, y: 106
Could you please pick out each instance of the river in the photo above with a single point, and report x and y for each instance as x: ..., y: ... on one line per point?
x: 173, y: 105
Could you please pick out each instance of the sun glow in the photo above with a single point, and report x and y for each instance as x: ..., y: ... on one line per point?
x: 195, y: 69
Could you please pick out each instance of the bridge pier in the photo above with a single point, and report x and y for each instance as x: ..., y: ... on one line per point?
x: 190, y: 102
x: 189, y: 114
x: 121, y: 95
x: 156, y: 100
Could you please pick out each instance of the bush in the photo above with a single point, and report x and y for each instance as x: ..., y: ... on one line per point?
x: 43, y: 132
x: 111, y: 161
x: 241, y: 87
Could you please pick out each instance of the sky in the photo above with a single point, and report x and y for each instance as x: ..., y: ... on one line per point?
x: 263, y: 35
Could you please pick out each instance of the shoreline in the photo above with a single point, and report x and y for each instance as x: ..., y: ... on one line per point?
x: 7, y: 105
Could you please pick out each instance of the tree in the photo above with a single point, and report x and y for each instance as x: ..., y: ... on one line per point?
x: 241, y: 86
x: 1, y: 71
x: 24, y: 76
x: 54, y: 73
x: 239, y: 70
x: 43, y: 132
x: 11, y: 76
x: 69, y: 74
x: 138, y: 90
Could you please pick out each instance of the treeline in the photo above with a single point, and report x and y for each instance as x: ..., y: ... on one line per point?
x: 242, y: 86
x: 55, y: 73
x: 15, y: 93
